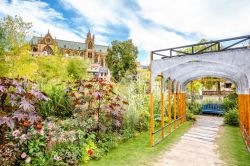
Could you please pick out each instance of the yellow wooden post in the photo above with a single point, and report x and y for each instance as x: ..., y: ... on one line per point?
x: 240, y: 111
x: 178, y: 106
x: 184, y: 107
x: 243, y: 111
x: 151, y: 104
x: 175, y: 104
x: 169, y: 104
x: 248, y: 110
x: 248, y: 113
x: 162, y: 107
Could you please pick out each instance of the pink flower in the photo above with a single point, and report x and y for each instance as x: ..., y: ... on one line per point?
x: 28, y: 160
x: 23, y: 155
x: 35, y: 132
x: 57, y: 158
x: 16, y: 133
x: 42, y: 131
x: 50, y: 125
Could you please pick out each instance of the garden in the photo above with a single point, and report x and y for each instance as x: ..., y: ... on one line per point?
x: 53, y: 112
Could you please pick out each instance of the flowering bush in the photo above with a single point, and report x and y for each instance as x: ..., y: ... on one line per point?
x: 19, y: 98
x: 28, y: 146
x: 88, y: 151
x: 95, y: 99
x: 93, y: 129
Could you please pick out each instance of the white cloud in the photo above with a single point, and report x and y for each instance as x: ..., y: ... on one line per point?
x: 42, y: 17
x: 97, y: 12
x: 101, y: 13
x: 207, y: 18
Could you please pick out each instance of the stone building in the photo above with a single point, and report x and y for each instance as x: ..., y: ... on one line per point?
x: 96, y: 54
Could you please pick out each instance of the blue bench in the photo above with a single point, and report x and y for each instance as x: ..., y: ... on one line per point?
x: 212, y: 109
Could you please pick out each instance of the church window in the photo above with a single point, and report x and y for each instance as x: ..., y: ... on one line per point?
x: 35, y: 49
x: 47, y: 40
x: 48, y: 50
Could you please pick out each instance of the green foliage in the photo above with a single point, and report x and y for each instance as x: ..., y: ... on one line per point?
x: 194, y: 107
x: 208, y: 85
x: 196, y: 86
x: 2, y: 40
x: 76, y: 69
x: 121, y: 59
x: 68, y: 152
x: 230, y: 102
x: 107, y: 142
x: 232, y: 117
x: 13, y: 32
x: 59, y: 105
x: 190, y: 116
x: 96, y: 99
x: 45, y: 70
x: 137, y: 114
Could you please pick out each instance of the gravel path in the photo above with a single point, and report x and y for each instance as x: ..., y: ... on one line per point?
x: 197, y: 147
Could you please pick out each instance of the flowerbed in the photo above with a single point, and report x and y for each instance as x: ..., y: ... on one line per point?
x: 96, y: 124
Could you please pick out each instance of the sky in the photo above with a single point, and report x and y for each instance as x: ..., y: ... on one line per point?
x: 151, y: 24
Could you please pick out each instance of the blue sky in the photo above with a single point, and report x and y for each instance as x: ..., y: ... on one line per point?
x: 151, y: 24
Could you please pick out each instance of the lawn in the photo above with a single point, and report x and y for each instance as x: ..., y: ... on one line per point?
x: 232, y: 147
x: 137, y: 151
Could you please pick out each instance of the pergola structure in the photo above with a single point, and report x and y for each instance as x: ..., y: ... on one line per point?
x: 227, y: 59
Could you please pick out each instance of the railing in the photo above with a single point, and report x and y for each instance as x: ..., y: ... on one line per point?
x: 176, y: 123
x: 212, y: 46
x: 245, y: 136
x: 216, y: 92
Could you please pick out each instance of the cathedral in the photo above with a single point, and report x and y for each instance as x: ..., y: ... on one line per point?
x: 44, y: 46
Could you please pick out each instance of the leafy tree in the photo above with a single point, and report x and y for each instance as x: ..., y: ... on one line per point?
x: 2, y: 38
x: 13, y: 33
x: 121, y: 58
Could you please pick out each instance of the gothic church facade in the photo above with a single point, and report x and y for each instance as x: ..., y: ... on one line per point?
x: 96, y: 54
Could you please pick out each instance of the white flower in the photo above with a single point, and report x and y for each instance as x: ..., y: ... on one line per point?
x: 28, y: 160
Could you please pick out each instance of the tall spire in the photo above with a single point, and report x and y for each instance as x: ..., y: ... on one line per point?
x: 89, y: 34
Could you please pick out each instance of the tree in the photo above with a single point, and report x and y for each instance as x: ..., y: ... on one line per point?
x: 121, y: 59
x: 13, y: 32
x: 2, y: 38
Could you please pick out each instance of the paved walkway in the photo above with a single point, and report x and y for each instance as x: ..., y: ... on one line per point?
x: 197, y: 147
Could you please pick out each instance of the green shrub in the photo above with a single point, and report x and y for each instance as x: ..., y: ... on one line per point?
x: 194, y: 107
x: 230, y: 102
x: 190, y: 116
x: 69, y: 153
x: 75, y: 69
x: 59, y: 105
x: 231, y: 117
x: 108, y: 141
